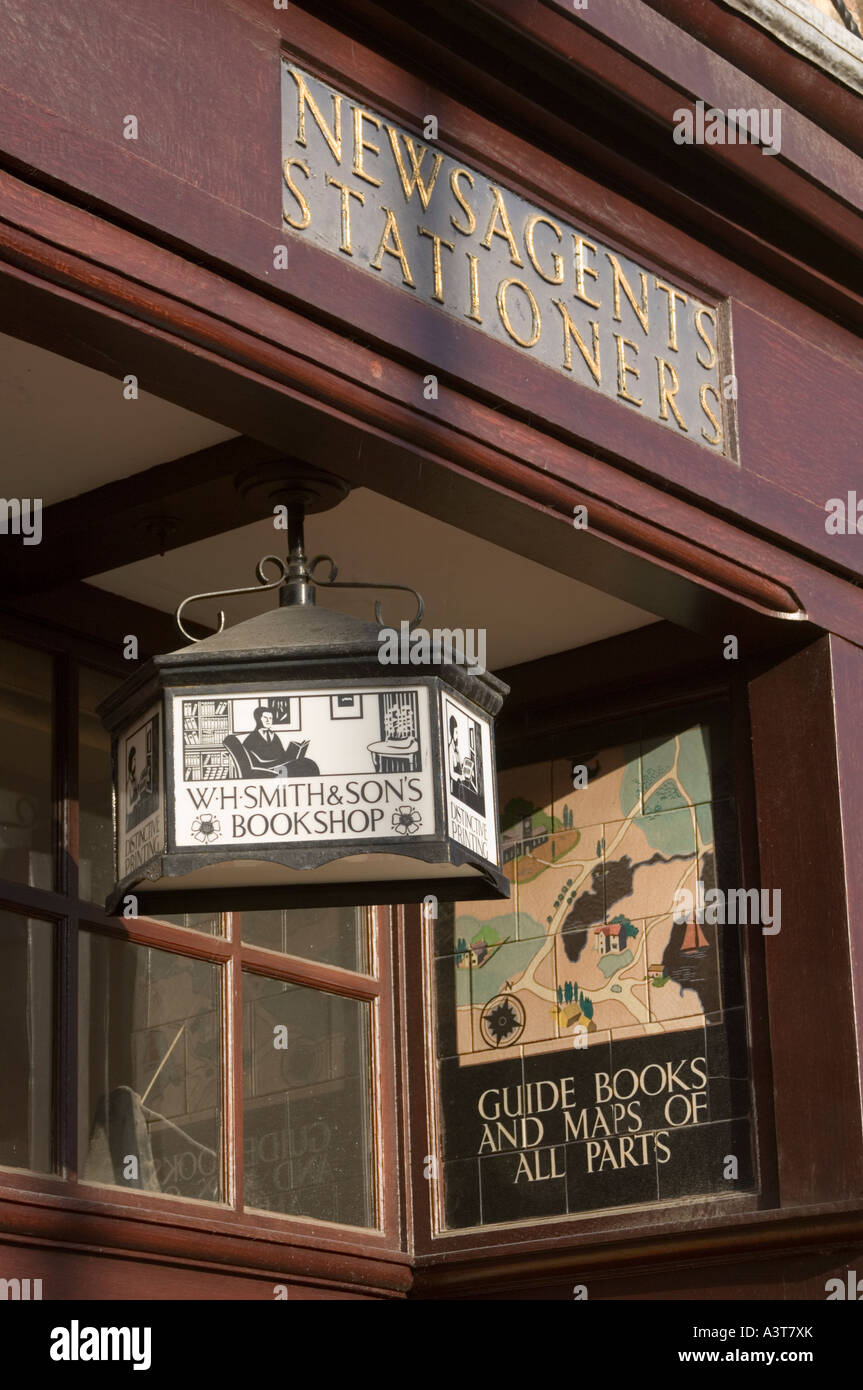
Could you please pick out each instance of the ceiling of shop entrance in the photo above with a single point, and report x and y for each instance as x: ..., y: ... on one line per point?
x: 527, y: 610
x: 68, y: 429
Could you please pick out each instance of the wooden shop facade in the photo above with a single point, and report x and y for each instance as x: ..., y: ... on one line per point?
x: 570, y: 299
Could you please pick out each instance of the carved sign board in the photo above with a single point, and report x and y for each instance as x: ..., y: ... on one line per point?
x: 400, y: 208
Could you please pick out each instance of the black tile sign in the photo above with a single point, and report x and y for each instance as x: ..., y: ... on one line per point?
x: 640, y: 1120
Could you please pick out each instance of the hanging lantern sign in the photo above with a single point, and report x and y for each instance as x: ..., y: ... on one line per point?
x: 280, y: 764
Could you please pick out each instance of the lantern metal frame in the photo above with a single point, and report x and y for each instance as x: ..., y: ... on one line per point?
x: 297, y: 648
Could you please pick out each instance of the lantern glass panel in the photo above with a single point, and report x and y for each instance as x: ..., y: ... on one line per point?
x: 26, y: 1042
x: 25, y: 765
x: 307, y: 1104
x: 331, y: 935
x: 149, y: 1107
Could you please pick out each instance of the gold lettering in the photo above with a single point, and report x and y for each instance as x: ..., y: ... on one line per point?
x: 620, y: 280
x: 333, y: 137
x: 346, y: 194
x: 300, y: 196
x: 570, y: 330
x: 673, y: 296
x: 391, y: 230
x: 699, y: 328
x: 499, y: 211
x: 414, y: 180
x: 717, y: 438
x: 536, y: 321
x: 474, y: 288
x: 667, y: 393
x: 361, y: 144
x: 437, y: 242
x: 580, y: 242
x: 556, y: 259
x: 465, y: 206
x: 623, y: 367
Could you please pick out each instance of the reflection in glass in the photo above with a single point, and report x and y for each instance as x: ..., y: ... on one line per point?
x: 96, y: 859
x: 332, y: 935
x: 149, y: 1102
x: 208, y: 922
x: 307, y: 1102
x: 26, y: 1042
x: 25, y: 765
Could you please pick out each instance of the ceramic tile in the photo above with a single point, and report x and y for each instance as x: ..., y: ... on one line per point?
x: 523, y: 1186
x: 514, y: 990
x: 525, y: 801
x: 560, y: 882
x: 613, y: 789
x: 683, y: 969
x: 461, y: 1193
x: 461, y: 1090
x: 602, y: 978
x: 698, y: 1156
x: 728, y: 1066
x: 646, y: 860
x: 452, y: 990
x: 611, y: 1171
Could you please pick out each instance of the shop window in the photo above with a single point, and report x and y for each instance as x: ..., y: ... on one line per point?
x: 96, y: 859
x: 307, y: 1116
x: 591, y: 1031
x: 149, y: 1090
x: 335, y: 935
x: 27, y: 1036
x: 25, y: 766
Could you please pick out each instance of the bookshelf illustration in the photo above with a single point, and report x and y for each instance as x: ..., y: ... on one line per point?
x: 205, y: 725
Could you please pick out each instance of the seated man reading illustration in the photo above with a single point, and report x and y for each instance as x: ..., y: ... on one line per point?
x: 267, y: 753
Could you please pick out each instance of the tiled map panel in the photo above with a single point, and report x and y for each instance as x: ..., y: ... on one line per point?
x: 592, y: 1044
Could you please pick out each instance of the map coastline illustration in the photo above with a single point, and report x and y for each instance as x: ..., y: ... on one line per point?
x: 588, y: 945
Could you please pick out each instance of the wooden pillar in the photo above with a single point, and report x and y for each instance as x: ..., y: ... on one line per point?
x: 809, y: 805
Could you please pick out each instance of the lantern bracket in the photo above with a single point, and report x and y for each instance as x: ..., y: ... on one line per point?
x: 262, y: 584
x: 295, y: 579
x: 330, y: 583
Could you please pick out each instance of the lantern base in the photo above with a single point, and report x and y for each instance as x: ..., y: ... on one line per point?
x: 376, y: 879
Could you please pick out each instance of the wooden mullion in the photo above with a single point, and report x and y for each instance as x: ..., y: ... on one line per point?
x: 331, y: 978
x: 66, y: 1048
x: 66, y: 847
x: 233, y: 1127
x: 146, y: 931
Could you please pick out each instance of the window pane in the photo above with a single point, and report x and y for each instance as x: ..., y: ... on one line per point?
x: 149, y: 1102
x: 96, y: 861
x: 208, y: 922
x: 25, y: 765
x: 333, y: 935
x: 26, y: 1042
x: 307, y: 1102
